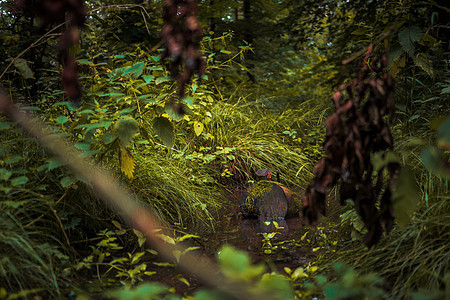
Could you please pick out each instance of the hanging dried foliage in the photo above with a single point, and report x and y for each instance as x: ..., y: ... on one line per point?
x: 358, y: 128
x: 54, y: 12
x: 182, y: 34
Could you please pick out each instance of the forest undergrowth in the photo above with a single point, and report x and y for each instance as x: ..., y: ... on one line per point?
x: 183, y: 161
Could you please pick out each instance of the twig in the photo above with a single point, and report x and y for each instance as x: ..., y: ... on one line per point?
x: 369, y: 48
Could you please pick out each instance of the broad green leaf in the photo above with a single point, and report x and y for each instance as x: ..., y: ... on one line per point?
x: 5, y: 174
x: 148, y: 78
x: 62, y: 119
x: 359, y: 31
x: 394, y: 54
x: 13, y: 160
x: 203, y: 294
x: 188, y: 100
x: 67, y: 180
x: 162, y: 79
x: 83, y: 146
x: 108, y: 138
x: 23, y: 68
x: 422, y: 61
x: 141, y: 237
x: 4, y: 125
x: 407, y: 37
x: 84, y: 62
x: 276, y: 285
x: 92, y: 126
x: 165, y: 238
x: 19, y: 180
x: 381, y: 159
x: 198, y: 128
x: 434, y: 161
x: 405, y: 197
x: 125, y: 129
x: 127, y: 162
x: 68, y: 104
x: 164, y: 129
x: 443, y: 135
x: 144, y: 291
x: 236, y: 264
x: 135, y: 71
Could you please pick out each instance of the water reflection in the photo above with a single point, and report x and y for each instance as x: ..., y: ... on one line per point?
x: 251, y: 230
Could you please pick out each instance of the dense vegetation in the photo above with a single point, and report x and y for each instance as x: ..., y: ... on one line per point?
x: 271, y: 69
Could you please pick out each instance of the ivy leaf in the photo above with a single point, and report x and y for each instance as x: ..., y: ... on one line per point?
x: 24, y: 70
x: 164, y: 129
x: 198, y: 128
x: 407, y: 37
x: 405, y: 197
x: 127, y: 162
x: 125, y: 129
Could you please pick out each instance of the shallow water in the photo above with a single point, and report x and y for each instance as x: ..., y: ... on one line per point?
x: 247, y: 235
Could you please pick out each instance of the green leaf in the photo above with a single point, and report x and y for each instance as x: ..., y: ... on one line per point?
x: 143, y: 292
x: 127, y: 163
x: 277, y: 286
x: 407, y: 37
x: 422, y: 61
x: 62, y: 119
x: 236, y: 264
x: 4, y: 125
x: 434, y: 161
x: 162, y: 79
x: 382, y: 159
x: 188, y: 100
x: 198, y: 128
x: 135, y: 71
x: 359, y: 31
x: 83, y: 146
x: 210, y: 294
x: 148, y: 78
x: 67, y: 180
x: 68, y: 104
x: 19, y: 180
x: 84, y: 62
x: 23, y: 68
x: 108, y: 138
x: 125, y: 129
x: 5, y: 174
x: 443, y: 135
x: 13, y: 160
x: 405, y: 197
x: 164, y: 129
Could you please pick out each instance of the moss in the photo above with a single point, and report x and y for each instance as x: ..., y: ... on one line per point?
x: 261, y: 187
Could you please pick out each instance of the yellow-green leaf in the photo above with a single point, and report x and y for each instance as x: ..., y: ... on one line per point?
x: 127, y: 162
x: 198, y: 128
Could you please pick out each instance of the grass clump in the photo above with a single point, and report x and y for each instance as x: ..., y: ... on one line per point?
x: 413, y: 259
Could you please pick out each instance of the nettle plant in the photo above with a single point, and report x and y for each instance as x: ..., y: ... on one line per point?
x: 132, y: 95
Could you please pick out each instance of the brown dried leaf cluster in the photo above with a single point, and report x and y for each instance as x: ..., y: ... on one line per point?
x: 56, y: 12
x: 359, y: 127
x: 182, y: 34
